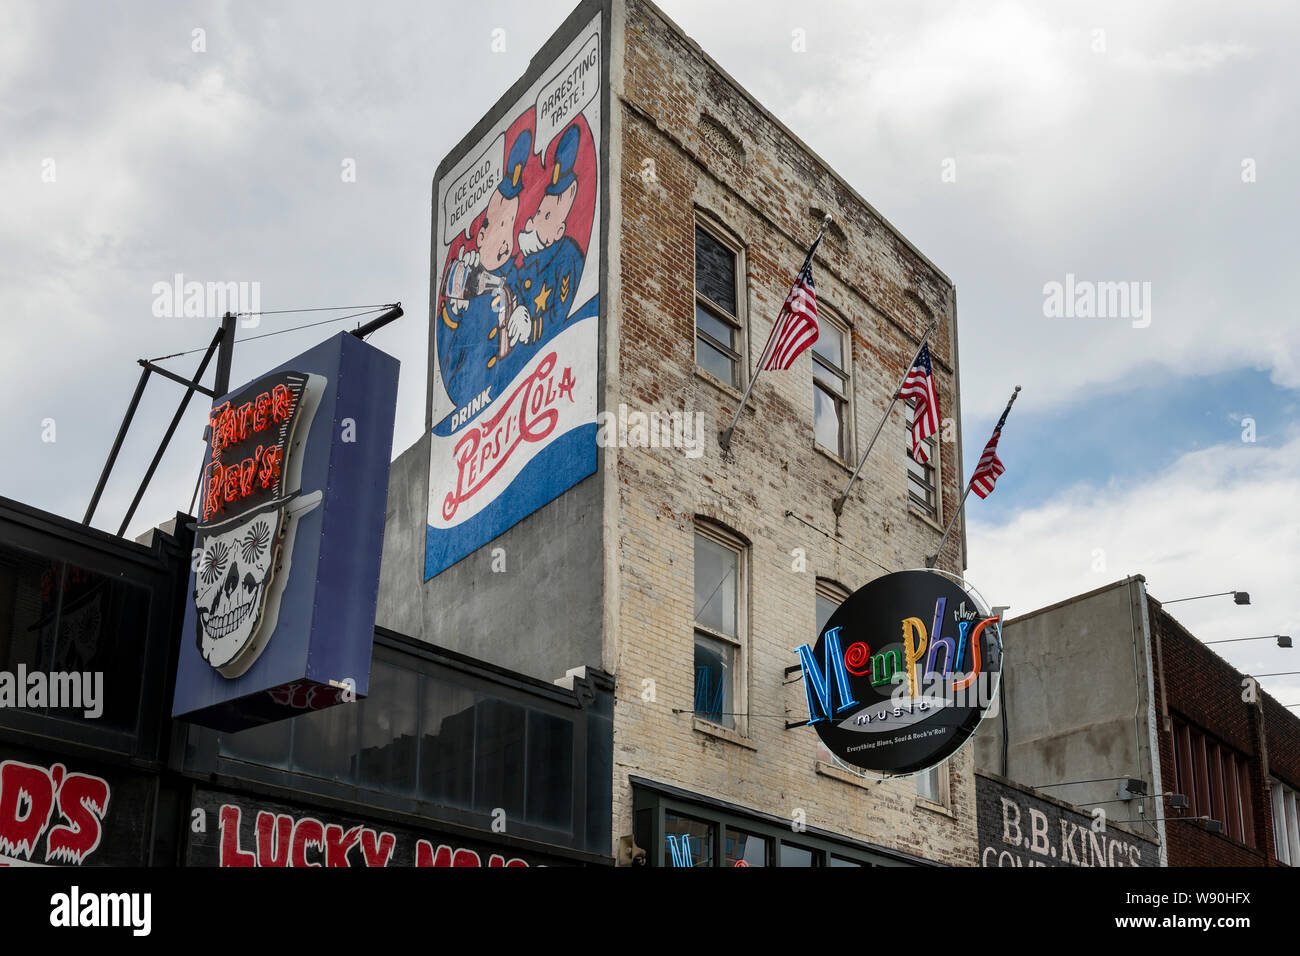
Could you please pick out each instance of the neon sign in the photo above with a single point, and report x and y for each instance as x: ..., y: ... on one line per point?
x: 916, y: 698
x: 249, y: 508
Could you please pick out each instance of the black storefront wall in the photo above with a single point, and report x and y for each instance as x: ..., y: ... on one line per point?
x: 477, y: 752
x: 69, y: 811
x: 448, y: 760
x: 245, y: 830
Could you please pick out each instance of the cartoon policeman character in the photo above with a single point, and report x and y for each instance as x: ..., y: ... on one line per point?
x: 480, y: 289
x: 547, y: 281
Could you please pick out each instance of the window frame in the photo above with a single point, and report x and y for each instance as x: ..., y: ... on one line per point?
x: 1215, y: 778
x: 832, y: 591
x: 943, y: 788
x: 843, y: 402
x: 720, y: 535
x: 653, y: 801
x: 738, y: 322
x: 933, y: 467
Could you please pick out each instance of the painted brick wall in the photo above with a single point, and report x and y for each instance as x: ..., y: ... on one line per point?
x: 712, y: 150
x: 1205, y: 691
x: 1020, y: 826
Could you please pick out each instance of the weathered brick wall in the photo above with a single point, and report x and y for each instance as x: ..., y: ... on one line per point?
x: 1206, y: 691
x: 715, y: 151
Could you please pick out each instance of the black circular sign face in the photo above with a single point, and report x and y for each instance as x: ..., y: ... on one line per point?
x: 902, y: 672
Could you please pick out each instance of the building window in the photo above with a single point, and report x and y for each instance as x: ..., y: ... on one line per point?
x: 687, y: 841
x: 719, y: 626
x: 922, y: 480
x: 1286, y: 828
x: 927, y: 785
x: 794, y: 855
x: 746, y: 849
x: 829, y: 597
x: 718, y: 328
x: 1215, y: 778
x: 831, y: 357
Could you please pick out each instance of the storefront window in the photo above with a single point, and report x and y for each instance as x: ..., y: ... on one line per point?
x: 82, y: 632
x: 792, y: 855
x: 499, y: 745
x: 549, y: 771
x: 745, y: 849
x: 389, y: 741
x: 442, y: 743
x: 447, y: 744
x: 689, y: 841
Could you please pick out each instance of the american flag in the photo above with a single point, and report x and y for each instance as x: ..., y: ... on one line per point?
x: 990, y: 466
x: 919, y: 386
x: 796, y: 327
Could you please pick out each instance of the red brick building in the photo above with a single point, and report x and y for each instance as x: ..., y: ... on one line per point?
x: 1228, y: 746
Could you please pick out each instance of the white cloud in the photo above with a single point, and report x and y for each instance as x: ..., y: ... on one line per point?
x: 1218, y: 519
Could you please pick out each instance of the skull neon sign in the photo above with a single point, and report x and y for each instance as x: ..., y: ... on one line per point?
x: 250, y: 505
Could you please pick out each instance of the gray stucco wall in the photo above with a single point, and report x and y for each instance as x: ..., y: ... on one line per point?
x: 1074, y: 701
x: 541, y: 615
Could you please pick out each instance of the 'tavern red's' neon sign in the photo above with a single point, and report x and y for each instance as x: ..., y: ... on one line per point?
x: 255, y: 432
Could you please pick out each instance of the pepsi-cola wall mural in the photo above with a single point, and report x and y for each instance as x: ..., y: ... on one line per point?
x: 515, y: 309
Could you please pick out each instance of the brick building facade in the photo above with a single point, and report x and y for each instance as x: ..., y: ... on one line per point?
x: 1208, y: 708
x: 722, y: 164
x: 692, y: 171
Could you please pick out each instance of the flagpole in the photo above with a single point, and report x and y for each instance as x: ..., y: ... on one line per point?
x: 929, y: 562
x: 838, y: 504
x: 724, y: 436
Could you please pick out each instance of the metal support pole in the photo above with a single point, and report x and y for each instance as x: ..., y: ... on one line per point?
x: 221, y: 384
x: 929, y: 562
x: 117, y: 446
x: 178, y: 379
x: 379, y: 322
x: 192, y: 386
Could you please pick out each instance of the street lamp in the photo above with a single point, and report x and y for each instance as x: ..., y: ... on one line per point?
x: 1238, y: 597
x: 1283, y: 640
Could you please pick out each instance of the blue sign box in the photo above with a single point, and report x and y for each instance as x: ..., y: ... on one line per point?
x: 270, y: 633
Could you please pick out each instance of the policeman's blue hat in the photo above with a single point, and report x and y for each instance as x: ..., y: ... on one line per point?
x: 566, y: 156
x: 512, y: 183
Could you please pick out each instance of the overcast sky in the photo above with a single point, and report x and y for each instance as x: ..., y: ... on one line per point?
x: 1013, y: 143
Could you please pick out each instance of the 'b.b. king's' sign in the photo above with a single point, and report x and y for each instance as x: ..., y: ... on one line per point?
x: 902, y: 673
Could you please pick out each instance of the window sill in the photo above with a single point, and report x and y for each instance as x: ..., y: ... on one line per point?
x: 924, y: 518
x: 922, y: 803
x: 839, y: 773
x: 827, y: 453
x: 722, y: 733
x: 729, y: 390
